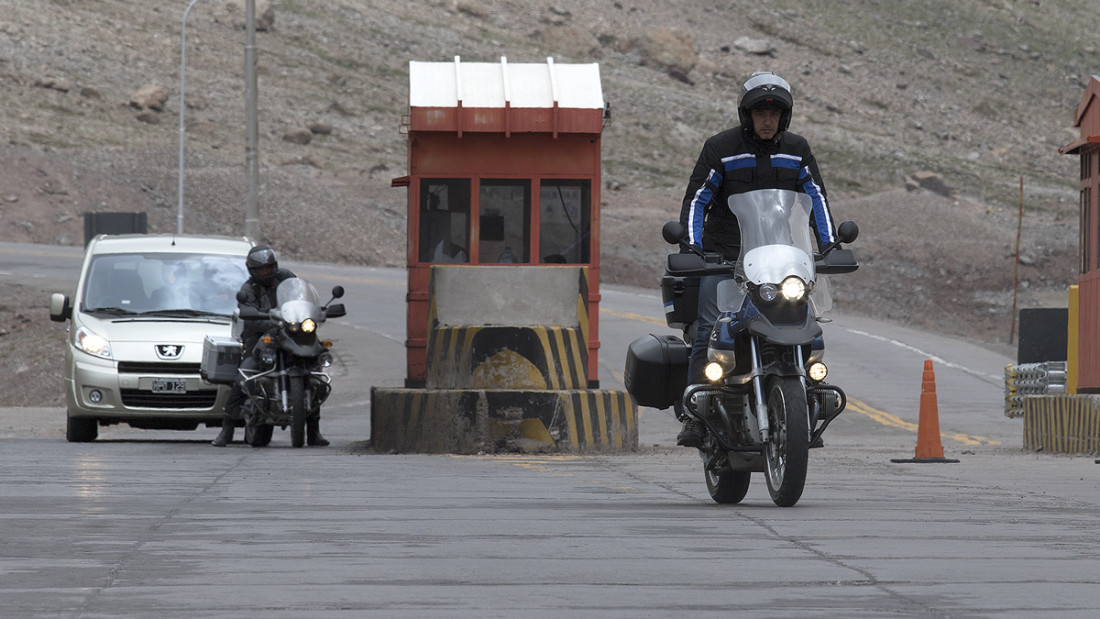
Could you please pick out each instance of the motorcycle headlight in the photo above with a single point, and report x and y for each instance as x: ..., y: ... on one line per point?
x: 793, y: 288
x: 308, y: 326
x: 93, y: 344
x: 768, y: 292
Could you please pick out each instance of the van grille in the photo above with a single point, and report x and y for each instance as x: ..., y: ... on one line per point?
x: 137, y: 398
x: 154, y: 367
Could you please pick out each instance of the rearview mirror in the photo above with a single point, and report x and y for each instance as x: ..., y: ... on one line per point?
x: 673, y: 232
x: 847, y: 232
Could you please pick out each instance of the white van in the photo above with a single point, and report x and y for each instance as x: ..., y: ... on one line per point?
x: 143, y: 306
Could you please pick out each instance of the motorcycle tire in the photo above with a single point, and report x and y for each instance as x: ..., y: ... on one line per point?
x: 787, y: 451
x: 727, y: 487
x: 259, y: 435
x: 298, y: 410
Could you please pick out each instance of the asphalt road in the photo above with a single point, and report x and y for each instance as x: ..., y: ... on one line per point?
x: 159, y: 523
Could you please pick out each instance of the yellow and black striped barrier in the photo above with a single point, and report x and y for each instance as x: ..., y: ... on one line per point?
x: 1062, y: 423
x: 475, y: 420
x: 507, y: 367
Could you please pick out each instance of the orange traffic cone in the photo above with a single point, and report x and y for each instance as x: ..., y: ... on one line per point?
x: 929, y: 447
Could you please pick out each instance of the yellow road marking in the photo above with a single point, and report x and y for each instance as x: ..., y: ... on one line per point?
x: 894, y: 421
x: 630, y: 316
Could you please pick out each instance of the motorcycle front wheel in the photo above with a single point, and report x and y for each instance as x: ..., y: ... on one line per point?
x: 787, y: 449
x: 299, y: 408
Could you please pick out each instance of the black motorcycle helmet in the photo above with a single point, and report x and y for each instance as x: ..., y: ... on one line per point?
x: 258, y: 260
x: 765, y: 90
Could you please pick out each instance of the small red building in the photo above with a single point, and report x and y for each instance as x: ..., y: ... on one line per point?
x: 504, y: 169
x: 1087, y: 118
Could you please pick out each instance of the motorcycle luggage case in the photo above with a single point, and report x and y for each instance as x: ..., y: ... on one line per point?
x: 220, y: 358
x: 681, y: 298
x: 656, y: 370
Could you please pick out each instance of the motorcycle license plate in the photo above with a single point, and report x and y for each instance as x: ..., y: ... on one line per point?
x: 169, y: 385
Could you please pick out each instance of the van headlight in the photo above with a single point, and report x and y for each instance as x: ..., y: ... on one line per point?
x: 93, y: 344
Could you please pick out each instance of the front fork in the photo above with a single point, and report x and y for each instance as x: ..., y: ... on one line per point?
x: 758, y: 390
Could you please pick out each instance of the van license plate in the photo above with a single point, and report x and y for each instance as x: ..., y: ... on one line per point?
x: 169, y: 385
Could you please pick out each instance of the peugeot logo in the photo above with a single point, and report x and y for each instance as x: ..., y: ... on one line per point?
x: 169, y: 351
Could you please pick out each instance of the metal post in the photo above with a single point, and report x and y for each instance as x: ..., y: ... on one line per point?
x: 1016, y: 276
x: 251, y: 218
x: 183, y: 72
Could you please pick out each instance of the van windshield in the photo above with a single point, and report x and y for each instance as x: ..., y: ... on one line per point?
x: 170, y: 284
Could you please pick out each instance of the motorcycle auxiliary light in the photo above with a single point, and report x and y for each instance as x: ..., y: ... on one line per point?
x: 817, y: 371
x: 713, y: 372
x: 267, y: 356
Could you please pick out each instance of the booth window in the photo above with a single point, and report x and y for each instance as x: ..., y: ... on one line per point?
x: 1086, y: 211
x: 504, y: 223
x: 445, y: 220
x: 564, y: 221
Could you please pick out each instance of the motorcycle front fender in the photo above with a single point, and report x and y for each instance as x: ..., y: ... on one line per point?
x: 311, y: 350
x: 785, y: 335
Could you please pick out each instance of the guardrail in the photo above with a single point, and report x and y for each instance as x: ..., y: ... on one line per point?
x: 1046, y: 378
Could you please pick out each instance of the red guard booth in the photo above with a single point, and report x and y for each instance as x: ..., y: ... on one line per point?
x: 1087, y: 147
x: 504, y: 168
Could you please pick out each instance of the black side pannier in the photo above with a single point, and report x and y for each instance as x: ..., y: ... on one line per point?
x: 656, y: 370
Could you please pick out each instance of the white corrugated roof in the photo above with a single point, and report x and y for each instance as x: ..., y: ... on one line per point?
x: 487, y: 84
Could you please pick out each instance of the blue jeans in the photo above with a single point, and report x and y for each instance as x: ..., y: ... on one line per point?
x: 708, y: 313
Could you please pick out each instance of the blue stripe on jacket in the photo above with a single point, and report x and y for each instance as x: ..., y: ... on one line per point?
x: 698, y: 207
x: 821, y: 210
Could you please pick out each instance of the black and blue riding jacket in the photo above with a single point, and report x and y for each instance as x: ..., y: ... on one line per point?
x: 736, y: 161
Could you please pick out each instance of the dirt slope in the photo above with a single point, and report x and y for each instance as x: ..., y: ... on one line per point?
x: 981, y: 93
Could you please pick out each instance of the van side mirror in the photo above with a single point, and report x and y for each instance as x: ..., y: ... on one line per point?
x: 60, y: 310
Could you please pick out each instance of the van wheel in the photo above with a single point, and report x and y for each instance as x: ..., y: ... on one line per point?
x: 81, y: 429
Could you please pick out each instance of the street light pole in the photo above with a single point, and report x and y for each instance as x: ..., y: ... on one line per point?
x: 183, y: 72
x: 251, y: 219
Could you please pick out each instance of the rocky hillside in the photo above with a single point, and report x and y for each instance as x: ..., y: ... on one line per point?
x: 961, y: 99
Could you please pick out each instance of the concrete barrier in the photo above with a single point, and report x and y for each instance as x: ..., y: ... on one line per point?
x: 474, y: 420
x: 506, y: 370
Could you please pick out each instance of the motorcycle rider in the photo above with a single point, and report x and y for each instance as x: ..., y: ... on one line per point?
x: 758, y: 154
x: 264, y: 277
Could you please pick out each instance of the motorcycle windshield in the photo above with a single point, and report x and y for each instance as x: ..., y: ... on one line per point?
x: 775, y: 235
x: 776, y: 242
x: 297, y: 300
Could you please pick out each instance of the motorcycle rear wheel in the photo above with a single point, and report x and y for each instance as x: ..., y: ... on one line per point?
x: 298, y: 410
x: 787, y: 450
x: 258, y: 435
x: 727, y: 487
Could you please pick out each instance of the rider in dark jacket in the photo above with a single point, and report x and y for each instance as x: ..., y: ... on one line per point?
x: 259, y: 292
x: 758, y: 154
